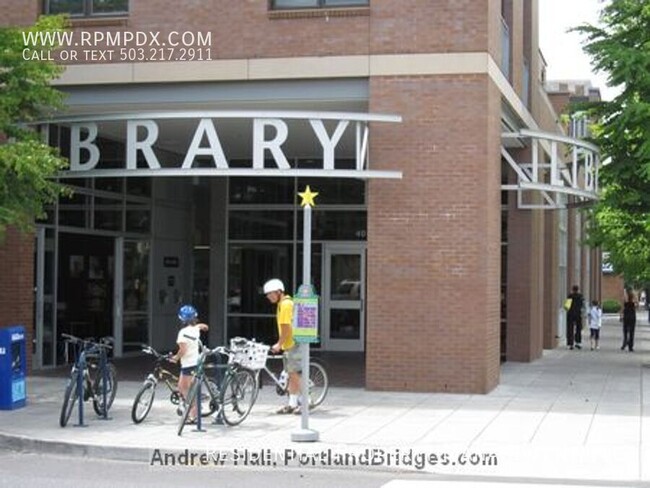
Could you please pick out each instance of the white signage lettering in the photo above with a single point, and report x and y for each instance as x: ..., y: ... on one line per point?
x: 17, y: 337
x: 76, y: 145
x: 148, y: 136
x: 260, y: 144
x: 146, y: 145
x: 214, y: 148
x: 328, y: 144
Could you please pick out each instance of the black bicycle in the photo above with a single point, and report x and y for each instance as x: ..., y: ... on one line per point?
x: 232, y: 400
x: 97, y: 383
x: 143, y: 400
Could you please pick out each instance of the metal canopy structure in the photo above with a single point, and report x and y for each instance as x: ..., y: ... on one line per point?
x: 556, y: 166
x: 265, y: 139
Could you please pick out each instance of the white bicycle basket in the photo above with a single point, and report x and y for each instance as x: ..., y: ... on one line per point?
x: 249, y: 354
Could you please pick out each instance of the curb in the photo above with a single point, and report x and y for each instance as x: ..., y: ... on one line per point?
x: 28, y: 444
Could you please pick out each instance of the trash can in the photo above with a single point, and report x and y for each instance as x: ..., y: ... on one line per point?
x: 13, y: 367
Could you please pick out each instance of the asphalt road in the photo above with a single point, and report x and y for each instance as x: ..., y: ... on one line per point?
x: 31, y: 470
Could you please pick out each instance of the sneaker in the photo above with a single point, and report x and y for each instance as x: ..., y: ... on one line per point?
x: 578, y: 346
x: 287, y: 409
x: 571, y: 348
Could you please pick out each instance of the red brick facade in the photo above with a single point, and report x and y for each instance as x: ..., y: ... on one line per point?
x: 433, y: 249
x: 17, y: 284
x: 434, y: 238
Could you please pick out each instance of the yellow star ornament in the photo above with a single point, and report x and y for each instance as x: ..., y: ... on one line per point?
x: 308, y: 197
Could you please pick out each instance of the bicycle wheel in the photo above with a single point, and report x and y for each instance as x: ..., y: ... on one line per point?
x: 98, y: 390
x: 318, y: 384
x: 187, y: 404
x: 238, y: 396
x: 69, y: 400
x: 143, y: 402
x: 208, y: 397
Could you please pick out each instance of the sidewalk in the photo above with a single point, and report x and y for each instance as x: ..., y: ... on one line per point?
x: 573, y: 415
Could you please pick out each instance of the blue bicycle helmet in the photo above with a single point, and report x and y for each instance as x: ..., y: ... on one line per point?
x: 187, y: 313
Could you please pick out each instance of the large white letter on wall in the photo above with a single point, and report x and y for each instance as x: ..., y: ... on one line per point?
x: 214, y: 148
x: 328, y: 144
x: 76, y: 145
x: 273, y: 145
x: 133, y: 145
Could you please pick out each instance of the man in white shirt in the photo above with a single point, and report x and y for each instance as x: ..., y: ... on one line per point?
x: 188, y: 340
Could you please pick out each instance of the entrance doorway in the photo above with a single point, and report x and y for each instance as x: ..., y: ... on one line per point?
x: 343, y: 301
x: 86, y: 274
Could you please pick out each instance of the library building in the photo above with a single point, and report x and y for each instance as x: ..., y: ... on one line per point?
x: 449, y: 219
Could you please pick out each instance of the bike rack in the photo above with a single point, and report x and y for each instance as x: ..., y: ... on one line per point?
x: 103, y: 364
x: 80, y: 387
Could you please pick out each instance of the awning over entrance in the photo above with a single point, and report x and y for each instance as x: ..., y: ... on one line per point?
x: 555, y: 167
x: 224, y: 143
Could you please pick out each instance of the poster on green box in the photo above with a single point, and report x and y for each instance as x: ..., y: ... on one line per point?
x: 305, y: 318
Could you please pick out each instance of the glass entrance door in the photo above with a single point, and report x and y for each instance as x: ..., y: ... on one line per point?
x: 343, y: 317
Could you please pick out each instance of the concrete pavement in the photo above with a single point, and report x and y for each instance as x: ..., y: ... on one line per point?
x: 571, y: 416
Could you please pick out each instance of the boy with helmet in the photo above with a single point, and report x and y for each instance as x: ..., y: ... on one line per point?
x: 274, y: 291
x: 188, y: 341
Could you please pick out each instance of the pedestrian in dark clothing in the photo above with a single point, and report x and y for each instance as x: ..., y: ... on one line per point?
x: 574, y: 318
x: 628, y: 316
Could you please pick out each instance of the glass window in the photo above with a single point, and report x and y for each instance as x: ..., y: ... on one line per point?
x: 262, y: 329
x: 331, y: 225
x: 86, y: 7
x: 109, y: 6
x: 249, y: 267
x: 72, y: 7
x: 138, y: 186
x: 261, y: 225
x: 288, y: 4
x: 108, y: 214
x: 136, y: 276
x: 73, y: 211
x: 138, y: 219
x: 335, y: 191
x: 261, y: 190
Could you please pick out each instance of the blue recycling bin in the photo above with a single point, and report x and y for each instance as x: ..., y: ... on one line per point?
x: 13, y: 368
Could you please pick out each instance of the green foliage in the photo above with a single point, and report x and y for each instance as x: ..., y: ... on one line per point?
x: 611, y: 306
x: 620, y: 47
x: 27, y: 165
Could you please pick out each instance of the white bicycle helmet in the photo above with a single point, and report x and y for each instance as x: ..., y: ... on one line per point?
x: 273, y: 285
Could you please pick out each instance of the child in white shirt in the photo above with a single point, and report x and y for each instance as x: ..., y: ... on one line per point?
x: 595, y: 322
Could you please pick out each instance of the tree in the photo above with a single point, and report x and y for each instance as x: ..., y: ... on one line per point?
x: 620, y: 47
x: 27, y: 164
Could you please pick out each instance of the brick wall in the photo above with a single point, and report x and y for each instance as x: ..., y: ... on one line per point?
x: 17, y: 284
x: 434, y: 237
x: 612, y: 287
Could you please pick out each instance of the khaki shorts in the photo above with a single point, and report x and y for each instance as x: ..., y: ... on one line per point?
x: 292, y: 360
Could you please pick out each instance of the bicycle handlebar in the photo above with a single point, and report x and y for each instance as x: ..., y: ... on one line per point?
x: 102, y: 343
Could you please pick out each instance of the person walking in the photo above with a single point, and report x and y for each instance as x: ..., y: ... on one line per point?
x: 188, y: 341
x: 595, y: 322
x: 574, y: 318
x: 275, y: 293
x: 628, y: 316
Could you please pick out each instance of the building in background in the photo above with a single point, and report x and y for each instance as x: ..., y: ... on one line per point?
x: 433, y: 279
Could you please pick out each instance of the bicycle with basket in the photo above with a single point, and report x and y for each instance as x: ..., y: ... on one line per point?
x: 254, y: 356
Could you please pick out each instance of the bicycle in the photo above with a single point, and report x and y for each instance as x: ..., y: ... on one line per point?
x: 90, y: 360
x: 143, y: 400
x: 232, y: 400
x: 254, y: 355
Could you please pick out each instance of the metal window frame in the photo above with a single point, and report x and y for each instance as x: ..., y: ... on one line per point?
x: 88, y: 10
x: 319, y: 4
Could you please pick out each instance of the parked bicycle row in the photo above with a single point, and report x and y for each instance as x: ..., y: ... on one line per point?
x: 222, y: 382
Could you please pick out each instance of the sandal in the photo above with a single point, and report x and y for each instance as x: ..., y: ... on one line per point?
x: 191, y: 421
x: 287, y: 409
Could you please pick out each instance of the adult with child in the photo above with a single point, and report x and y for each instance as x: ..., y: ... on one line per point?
x: 595, y: 319
x: 628, y: 317
x: 575, y: 302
